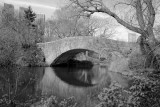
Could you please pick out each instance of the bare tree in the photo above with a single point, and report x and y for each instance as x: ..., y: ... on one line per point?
x: 104, y: 27
x: 143, y: 11
x: 8, y: 38
x: 70, y: 21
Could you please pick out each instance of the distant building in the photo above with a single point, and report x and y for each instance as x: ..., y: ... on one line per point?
x: 132, y: 37
x: 40, y: 22
x: 22, y: 12
x: 8, y: 11
x: 40, y: 17
x: 1, y: 8
x: 47, y: 32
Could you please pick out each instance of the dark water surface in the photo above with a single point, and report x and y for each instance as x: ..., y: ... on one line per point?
x: 29, y: 85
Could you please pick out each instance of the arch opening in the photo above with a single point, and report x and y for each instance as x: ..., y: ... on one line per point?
x: 75, y: 54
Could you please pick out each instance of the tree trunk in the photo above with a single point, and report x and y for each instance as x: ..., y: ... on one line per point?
x: 147, y: 46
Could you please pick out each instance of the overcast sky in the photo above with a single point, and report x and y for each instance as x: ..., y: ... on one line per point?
x: 43, y: 3
x: 46, y: 7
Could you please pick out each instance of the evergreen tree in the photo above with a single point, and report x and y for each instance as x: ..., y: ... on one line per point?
x: 29, y: 15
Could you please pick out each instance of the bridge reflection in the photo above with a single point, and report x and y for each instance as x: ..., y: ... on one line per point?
x: 80, y: 76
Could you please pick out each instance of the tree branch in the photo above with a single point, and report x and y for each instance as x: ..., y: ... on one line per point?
x: 151, y: 13
x: 139, y: 14
x: 104, y: 9
x: 123, y: 3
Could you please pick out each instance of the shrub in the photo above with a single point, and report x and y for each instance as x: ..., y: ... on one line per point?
x: 33, y: 56
x: 146, y: 92
x: 114, y: 96
x: 54, y: 101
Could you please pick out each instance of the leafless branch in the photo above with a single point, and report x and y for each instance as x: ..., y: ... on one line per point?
x: 151, y: 12
x: 139, y: 14
x: 123, y: 3
x: 104, y: 9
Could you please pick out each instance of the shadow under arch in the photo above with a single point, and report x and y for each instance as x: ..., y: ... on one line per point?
x: 66, y: 56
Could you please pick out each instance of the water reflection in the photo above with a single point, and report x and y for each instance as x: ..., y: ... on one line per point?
x: 79, y: 76
x: 18, y: 85
x: 28, y: 85
x: 67, y: 82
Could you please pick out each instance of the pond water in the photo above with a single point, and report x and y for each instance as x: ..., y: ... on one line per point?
x: 28, y: 85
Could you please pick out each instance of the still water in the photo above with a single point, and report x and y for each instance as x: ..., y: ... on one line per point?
x: 29, y: 85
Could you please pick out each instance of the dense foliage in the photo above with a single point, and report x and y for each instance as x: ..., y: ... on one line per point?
x: 142, y: 93
x: 18, y: 36
x: 146, y: 93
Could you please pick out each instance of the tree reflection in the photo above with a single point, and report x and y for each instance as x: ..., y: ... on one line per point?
x: 91, y: 76
x: 17, y: 86
x: 84, y: 76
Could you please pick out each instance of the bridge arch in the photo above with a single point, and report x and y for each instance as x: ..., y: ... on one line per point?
x: 71, y: 54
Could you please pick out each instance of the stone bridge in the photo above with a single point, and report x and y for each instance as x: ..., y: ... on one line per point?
x: 64, y: 49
